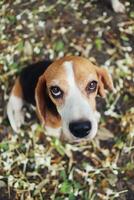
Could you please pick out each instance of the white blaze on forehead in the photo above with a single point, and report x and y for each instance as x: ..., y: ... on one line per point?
x: 68, y: 65
x: 74, y: 100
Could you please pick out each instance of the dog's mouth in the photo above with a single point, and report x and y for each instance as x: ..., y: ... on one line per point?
x: 72, y: 139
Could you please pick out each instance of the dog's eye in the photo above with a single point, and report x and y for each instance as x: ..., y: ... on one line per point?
x: 91, y: 87
x: 56, y: 92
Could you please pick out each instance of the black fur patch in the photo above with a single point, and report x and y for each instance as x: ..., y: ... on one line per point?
x: 29, y: 77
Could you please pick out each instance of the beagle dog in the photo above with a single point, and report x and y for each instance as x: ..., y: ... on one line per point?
x: 64, y: 94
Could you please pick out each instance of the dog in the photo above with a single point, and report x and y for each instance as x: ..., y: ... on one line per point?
x: 64, y: 93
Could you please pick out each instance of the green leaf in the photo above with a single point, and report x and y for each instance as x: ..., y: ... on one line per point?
x: 11, y: 18
x: 129, y: 166
x: 132, y: 14
x: 14, y: 66
x: 59, y: 198
x: 63, y: 175
x: 66, y: 187
x: 77, y: 185
x: 124, y: 37
x: 72, y: 197
x: 119, y: 144
x: 4, y: 146
x: 125, y: 98
x: 58, y: 146
x: 20, y: 45
x: 86, y: 196
x: 98, y: 43
x: 58, y: 46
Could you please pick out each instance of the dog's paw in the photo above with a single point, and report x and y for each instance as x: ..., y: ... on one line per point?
x: 15, y: 113
x: 118, y: 7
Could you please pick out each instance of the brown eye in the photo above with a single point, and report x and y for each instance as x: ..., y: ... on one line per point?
x: 91, y: 87
x: 56, y: 92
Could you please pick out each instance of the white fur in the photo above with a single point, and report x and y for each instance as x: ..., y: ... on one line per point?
x: 15, y: 113
x: 118, y: 6
x: 76, y: 106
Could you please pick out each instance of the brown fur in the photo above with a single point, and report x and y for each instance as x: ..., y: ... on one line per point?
x: 49, y: 117
x: 17, y: 90
x: 84, y: 71
x: 105, y: 81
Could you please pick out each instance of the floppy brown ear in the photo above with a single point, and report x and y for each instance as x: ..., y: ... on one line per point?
x: 105, y: 81
x: 45, y: 107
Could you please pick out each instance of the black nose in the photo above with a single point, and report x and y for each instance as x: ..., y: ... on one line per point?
x: 80, y: 129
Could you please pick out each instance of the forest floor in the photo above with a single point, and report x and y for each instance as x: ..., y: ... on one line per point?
x: 33, y: 166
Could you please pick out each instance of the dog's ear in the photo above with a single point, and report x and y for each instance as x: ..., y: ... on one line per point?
x: 46, y: 109
x: 105, y: 81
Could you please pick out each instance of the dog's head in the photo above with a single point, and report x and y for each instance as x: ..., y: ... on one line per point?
x: 65, y: 96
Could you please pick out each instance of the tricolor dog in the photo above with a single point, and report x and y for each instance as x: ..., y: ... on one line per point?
x: 64, y: 94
